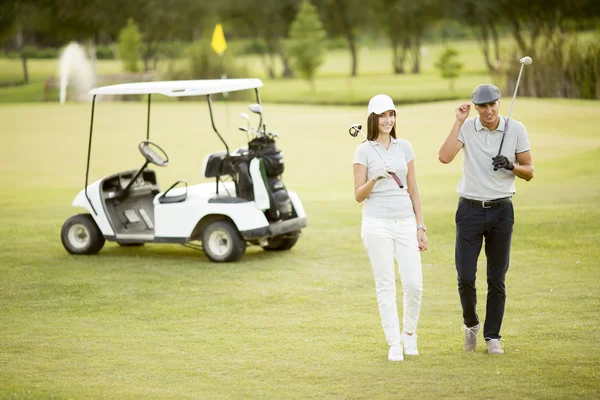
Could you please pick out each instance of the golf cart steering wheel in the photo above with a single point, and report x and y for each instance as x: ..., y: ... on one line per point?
x: 148, y: 150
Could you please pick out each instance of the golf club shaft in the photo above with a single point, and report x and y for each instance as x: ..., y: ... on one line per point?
x: 394, y: 176
x: 516, y: 89
x: 511, y: 107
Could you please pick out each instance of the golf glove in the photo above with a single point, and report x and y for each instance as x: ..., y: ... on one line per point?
x: 384, y: 173
x: 502, y: 162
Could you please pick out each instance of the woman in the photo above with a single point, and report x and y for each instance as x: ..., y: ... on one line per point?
x: 392, y: 223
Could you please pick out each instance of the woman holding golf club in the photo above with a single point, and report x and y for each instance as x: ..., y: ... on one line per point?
x: 392, y: 222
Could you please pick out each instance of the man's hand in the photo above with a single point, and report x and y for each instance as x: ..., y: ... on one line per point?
x: 462, y: 112
x: 384, y: 173
x: 500, y: 162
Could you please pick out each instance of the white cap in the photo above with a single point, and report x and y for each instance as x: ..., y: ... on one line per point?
x: 381, y: 103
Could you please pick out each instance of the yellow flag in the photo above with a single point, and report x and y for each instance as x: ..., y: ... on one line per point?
x: 218, y: 40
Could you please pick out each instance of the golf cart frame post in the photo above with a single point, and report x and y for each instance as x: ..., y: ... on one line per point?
x: 170, y: 93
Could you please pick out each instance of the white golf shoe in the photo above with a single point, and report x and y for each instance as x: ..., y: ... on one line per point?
x: 409, y: 342
x: 494, y: 346
x: 395, y: 353
x: 471, y: 337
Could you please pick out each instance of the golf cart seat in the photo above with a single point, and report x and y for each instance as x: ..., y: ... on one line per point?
x: 176, y: 198
x: 213, y: 163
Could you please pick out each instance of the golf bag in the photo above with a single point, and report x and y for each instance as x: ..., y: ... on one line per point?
x: 272, y: 167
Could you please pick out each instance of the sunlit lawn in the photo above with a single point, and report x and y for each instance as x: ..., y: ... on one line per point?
x: 161, y: 321
x: 332, y: 86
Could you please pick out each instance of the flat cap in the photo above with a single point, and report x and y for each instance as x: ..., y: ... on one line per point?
x: 484, y: 94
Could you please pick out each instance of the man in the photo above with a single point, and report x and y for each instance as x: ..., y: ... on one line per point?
x: 485, y: 207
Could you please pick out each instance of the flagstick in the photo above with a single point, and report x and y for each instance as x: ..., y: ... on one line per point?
x: 219, y: 45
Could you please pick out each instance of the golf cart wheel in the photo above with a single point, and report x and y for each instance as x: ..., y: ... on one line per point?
x: 282, y: 242
x: 81, y: 235
x: 222, y: 242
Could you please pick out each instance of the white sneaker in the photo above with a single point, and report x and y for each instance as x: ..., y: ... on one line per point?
x: 471, y: 337
x: 409, y: 342
x: 395, y: 353
x: 494, y: 346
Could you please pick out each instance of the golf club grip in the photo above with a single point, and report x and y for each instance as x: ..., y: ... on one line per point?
x: 398, y: 181
x: 503, y: 135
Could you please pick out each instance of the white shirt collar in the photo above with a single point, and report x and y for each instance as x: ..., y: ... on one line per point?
x: 394, y: 140
x: 479, y: 126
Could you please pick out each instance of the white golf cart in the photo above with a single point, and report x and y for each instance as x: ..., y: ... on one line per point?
x: 247, y: 203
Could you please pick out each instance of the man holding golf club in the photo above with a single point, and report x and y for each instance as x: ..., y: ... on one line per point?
x: 495, y: 150
x: 392, y: 222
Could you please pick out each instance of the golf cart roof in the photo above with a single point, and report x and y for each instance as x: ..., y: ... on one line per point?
x: 180, y: 88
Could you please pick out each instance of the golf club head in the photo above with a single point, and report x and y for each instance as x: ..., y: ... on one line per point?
x: 255, y: 108
x: 354, y: 129
x: 244, y: 116
x: 526, y: 60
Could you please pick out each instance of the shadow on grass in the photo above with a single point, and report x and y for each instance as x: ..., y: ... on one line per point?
x: 176, y: 253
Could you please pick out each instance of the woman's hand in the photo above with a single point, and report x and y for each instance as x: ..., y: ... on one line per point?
x: 384, y: 173
x: 422, y: 240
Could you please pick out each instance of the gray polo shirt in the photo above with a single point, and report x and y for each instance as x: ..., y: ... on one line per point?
x: 387, y: 200
x: 479, y: 180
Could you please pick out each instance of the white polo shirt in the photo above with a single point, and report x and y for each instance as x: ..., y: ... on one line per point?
x: 479, y: 181
x: 387, y: 200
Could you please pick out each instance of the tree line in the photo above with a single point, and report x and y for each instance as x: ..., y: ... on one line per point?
x: 404, y: 23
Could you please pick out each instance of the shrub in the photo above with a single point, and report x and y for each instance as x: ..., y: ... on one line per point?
x: 105, y: 52
x: 130, y: 41
x: 563, y: 66
x: 449, y: 66
x: 306, y: 45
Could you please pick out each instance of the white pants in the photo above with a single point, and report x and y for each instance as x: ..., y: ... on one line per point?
x: 384, y: 239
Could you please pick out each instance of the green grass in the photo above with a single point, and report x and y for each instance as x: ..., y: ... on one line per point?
x: 332, y: 86
x: 11, y: 77
x: 163, y: 322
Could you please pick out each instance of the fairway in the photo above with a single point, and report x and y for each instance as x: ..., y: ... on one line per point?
x: 162, y: 322
x: 333, y: 84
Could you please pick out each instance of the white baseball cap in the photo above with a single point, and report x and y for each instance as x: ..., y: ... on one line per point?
x: 380, y: 104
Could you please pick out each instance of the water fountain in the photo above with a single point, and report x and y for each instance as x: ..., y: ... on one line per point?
x: 76, y: 73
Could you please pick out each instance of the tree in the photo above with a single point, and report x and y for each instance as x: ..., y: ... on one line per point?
x: 404, y: 22
x: 130, y: 40
x: 19, y: 18
x: 269, y: 24
x: 483, y: 18
x: 449, y: 66
x: 306, y: 41
x: 345, y: 18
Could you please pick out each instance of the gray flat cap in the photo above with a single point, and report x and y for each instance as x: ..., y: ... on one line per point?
x: 484, y: 94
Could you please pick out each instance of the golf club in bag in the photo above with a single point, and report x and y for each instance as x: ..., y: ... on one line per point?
x: 354, y: 129
x: 524, y: 61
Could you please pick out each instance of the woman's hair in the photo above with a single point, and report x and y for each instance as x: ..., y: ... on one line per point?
x: 373, y: 127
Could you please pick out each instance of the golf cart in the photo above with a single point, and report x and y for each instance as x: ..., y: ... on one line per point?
x: 246, y: 204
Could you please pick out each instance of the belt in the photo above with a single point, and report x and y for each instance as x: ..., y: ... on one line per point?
x: 486, y: 203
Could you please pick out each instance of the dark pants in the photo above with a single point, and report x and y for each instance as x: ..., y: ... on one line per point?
x: 496, y: 226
